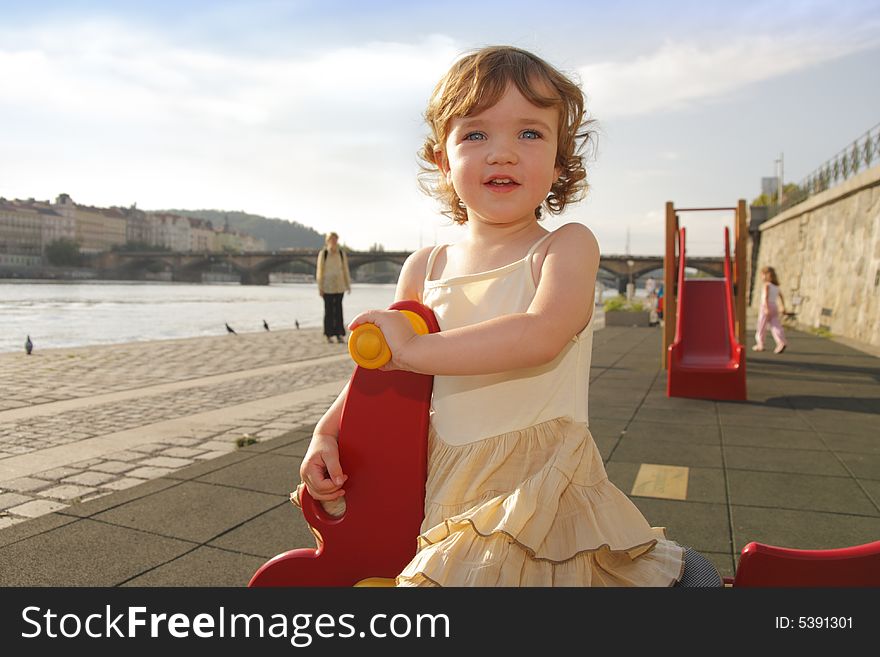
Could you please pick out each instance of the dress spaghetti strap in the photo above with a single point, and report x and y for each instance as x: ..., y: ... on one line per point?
x: 535, y: 246
x: 431, y: 258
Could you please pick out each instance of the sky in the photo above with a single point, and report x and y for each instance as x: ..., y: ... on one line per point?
x: 312, y: 111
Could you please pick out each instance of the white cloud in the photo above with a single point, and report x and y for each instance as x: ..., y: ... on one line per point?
x: 116, y: 71
x: 116, y: 112
x: 327, y: 139
x: 680, y: 74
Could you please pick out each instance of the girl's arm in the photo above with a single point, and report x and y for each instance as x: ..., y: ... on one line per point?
x: 320, y: 470
x: 411, y: 280
x: 561, y: 308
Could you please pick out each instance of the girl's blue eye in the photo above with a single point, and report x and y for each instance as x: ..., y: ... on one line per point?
x: 474, y: 136
x: 531, y: 134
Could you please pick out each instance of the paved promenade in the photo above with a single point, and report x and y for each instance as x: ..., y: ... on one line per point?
x: 169, y: 463
x: 78, y: 424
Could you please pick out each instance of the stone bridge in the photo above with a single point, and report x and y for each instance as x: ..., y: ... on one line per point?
x: 254, y: 268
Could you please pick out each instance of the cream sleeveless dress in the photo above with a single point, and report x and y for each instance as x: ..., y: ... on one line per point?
x: 516, y: 493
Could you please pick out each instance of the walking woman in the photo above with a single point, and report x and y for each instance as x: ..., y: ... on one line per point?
x: 334, y: 280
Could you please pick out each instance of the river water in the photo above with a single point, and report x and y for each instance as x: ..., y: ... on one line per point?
x: 81, y: 313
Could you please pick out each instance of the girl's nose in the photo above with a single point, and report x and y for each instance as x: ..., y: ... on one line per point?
x: 502, y: 152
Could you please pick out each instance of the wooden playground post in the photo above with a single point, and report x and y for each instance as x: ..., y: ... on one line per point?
x: 739, y: 276
x: 670, y: 268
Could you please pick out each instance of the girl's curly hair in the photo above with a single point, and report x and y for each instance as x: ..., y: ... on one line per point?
x: 476, y: 82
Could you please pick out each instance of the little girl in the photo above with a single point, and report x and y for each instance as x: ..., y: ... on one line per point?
x: 770, y: 312
x: 516, y: 494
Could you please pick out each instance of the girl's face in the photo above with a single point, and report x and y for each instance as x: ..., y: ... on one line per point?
x: 502, y: 161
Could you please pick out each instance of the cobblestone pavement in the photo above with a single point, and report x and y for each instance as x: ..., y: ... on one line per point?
x: 59, y: 374
x: 57, y: 400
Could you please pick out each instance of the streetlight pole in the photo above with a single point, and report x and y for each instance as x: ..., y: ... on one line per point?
x: 779, y: 162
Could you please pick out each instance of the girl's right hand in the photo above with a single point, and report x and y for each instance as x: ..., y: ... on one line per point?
x: 397, y: 331
x: 320, y: 470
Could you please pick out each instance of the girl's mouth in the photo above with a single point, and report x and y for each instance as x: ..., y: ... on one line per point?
x: 501, y: 184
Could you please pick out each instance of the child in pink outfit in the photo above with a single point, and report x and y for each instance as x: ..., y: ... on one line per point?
x: 770, y: 312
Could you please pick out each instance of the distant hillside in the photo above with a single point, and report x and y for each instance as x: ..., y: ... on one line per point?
x: 278, y: 233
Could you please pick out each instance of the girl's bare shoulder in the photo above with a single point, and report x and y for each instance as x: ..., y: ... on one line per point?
x: 418, y: 258
x: 411, y: 281
x: 570, y: 243
x: 573, y: 237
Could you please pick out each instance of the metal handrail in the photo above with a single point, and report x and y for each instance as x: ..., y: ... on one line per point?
x: 843, y: 165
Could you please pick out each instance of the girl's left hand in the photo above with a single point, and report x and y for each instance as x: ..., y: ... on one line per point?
x: 398, y: 331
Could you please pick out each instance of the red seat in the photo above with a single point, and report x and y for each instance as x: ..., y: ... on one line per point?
x: 763, y: 565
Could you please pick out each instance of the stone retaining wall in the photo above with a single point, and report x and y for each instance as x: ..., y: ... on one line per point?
x: 826, y: 252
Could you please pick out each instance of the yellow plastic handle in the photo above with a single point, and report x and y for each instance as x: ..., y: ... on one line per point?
x: 367, y: 345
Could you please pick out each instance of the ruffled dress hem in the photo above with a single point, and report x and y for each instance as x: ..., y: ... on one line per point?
x: 558, y: 522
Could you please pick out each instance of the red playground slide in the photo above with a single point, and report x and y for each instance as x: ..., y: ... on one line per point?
x: 383, y: 450
x: 705, y: 360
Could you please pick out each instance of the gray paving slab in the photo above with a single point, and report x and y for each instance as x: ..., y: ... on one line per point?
x: 865, y: 443
x: 272, y: 473
x: 702, y: 526
x: 667, y: 452
x: 799, y: 491
x: 294, y: 449
x: 774, y: 459
x: 862, y: 466
x: 606, y: 442
x: 611, y: 426
x: 745, y: 436
x: 701, y: 434
x: 280, y: 529
x: 674, y: 416
x: 785, y: 419
x: 844, y: 423
x: 722, y: 561
x: 872, y: 489
x: 191, y: 511
x: 801, y: 529
x: 25, y: 530
x: 86, y: 553
x: 600, y: 411
x: 204, y: 566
